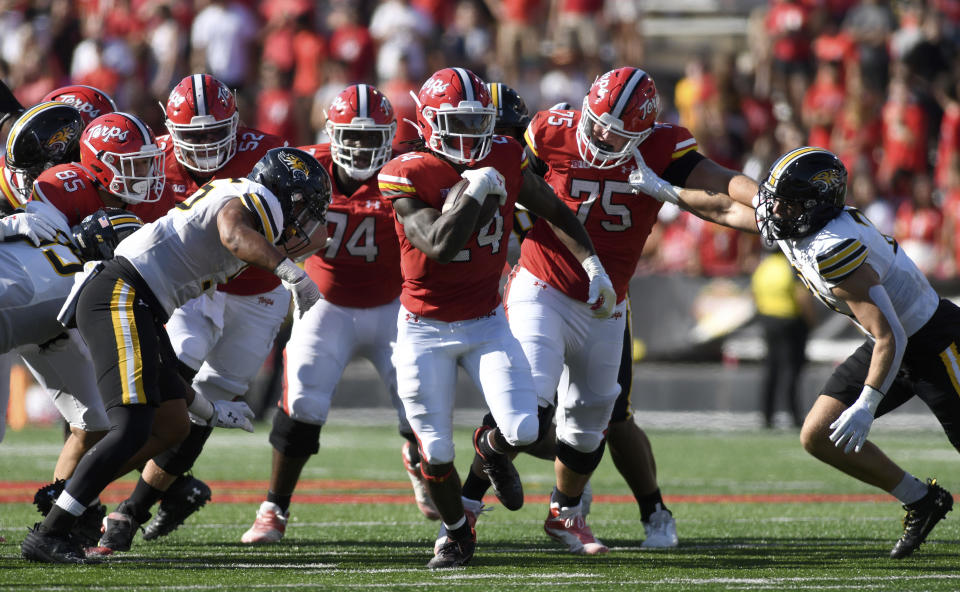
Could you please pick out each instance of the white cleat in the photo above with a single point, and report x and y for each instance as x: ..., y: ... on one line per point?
x: 269, y: 527
x: 661, y: 530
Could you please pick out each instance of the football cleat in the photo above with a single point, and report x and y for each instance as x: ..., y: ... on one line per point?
x: 46, y: 547
x: 119, y: 529
x: 503, y: 476
x: 922, y: 515
x: 87, y: 530
x: 187, y: 495
x: 567, y: 526
x: 420, y: 492
x: 269, y: 527
x: 472, y: 510
x: 661, y: 530
x: 454, y: 552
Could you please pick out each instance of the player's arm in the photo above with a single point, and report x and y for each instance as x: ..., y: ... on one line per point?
x: 439, y: 236
x: 870, y: 304
x: 537, y: 196
x: 712, y: 192
x: 240, y: 236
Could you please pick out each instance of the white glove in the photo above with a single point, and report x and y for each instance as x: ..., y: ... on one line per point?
x: 305, y: 291
x: 854, y: 423
x: 232, y: 414
x: 644, y: 180
x: 483, y: 182
x: 601, y: 297
x: 32, y: 226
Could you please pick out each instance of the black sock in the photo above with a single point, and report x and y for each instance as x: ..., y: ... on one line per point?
x: 565, y: 501
x: 648, y: 504
x: 281, y: 500
x: 475, y: 487
x: 458, y: 534
x: 58, y: 521
x: 141, y: 500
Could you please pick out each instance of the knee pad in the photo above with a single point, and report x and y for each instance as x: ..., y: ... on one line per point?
x: 437, y: 452
x: 179, y: 459
x: 580, y: 462
x: 294, y: 438
x: 519, y: 430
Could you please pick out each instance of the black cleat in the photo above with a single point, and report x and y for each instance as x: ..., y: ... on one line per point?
x: 46, y: 547
x: 454, y: 553
x: 119, y: 527
x: 187, y: 495
x: 47, y: 495
x: 922, y: 515
x: 86, y: 531
x: 503, y: 476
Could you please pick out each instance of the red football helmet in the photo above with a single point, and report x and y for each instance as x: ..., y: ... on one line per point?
x: 202, y: 120
x: 361, y: 126
x: 122, y: 153
x: 618, y: 114
x: 89, y: 101
x: 456, y: 116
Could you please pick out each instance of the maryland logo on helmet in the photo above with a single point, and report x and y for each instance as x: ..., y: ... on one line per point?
x: 294, y: 164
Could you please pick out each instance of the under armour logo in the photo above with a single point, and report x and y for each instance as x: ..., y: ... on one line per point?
x: 192, y: 498
x: 410, y: 317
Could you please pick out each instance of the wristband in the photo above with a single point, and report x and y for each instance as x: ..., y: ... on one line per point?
x: 201, y: 407
x: 288, y: 271
x: 592, y: 266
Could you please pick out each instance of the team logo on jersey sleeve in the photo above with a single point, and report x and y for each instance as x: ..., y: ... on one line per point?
x: 295, y: 165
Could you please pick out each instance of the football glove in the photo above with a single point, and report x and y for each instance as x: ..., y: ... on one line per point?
x: 483, y: 182
x: 232, y: 414
x: 31, y: 226
x: 853, y: 425
x: 305, y: 291
x: 600, y: 295
x: 644, y: 180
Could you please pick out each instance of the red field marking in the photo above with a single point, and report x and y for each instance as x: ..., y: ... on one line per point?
x: 375, y: 492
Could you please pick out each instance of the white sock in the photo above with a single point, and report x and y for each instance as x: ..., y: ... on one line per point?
x: 70, y: 504
x: 910, y: 489
x: 457, y: 524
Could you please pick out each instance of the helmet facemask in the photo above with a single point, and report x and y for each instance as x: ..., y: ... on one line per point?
x: 205, y: 145
x: 602, y: 141
x: 306, y: 217
x: 463, y: 133
x: 138, y: 177
x: 362, y: 147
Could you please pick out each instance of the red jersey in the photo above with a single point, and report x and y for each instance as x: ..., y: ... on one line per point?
x: 617, y: 220
x: 361, y: 267
x: 71, y: 189
x: 251, y: 146
x: 468, y: 286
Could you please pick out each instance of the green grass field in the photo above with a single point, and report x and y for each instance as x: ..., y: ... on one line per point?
x: 724, y: 544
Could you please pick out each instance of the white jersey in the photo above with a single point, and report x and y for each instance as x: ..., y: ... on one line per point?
x: 826, y: 258
x: 180, y: 256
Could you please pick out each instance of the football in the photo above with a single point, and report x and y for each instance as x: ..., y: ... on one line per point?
x: 490, y: 205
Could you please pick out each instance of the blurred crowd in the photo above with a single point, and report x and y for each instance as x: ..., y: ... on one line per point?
x: 875, y: 82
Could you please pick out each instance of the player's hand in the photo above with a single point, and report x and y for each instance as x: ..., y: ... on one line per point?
x: 305, y: 291
x: 483, y: 182
x: 644, y: 180
x: 232, y: 414
x: 32, y: 226
x: 854, y: 423
x: 600, y: 295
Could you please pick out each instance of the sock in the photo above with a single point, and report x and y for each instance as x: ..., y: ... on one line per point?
x: 910, y: 489
x: 564, y: 500
x: 58, y: 522
x: 486, y: 448
x: 475, y: 487
x: 141, y: 500
x: 460, y: 531
x: 649, y: 504
x: 281, y: 500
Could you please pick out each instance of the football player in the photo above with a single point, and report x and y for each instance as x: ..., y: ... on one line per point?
x: 222, y: 337
x: 450, y: 313
x: 629, y: 446
x: 45, y: 135
x: 911, y: 333
x: 89, y: 101
x: 590, y: 154
x: 359, y: 276
x: 120, y: 308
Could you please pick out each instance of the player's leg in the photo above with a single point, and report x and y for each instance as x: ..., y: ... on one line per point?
x: 242, y: 343
x: 632, y: 455
x: 377, y: 328
x: 321, y: 344
x: 425, y: 360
